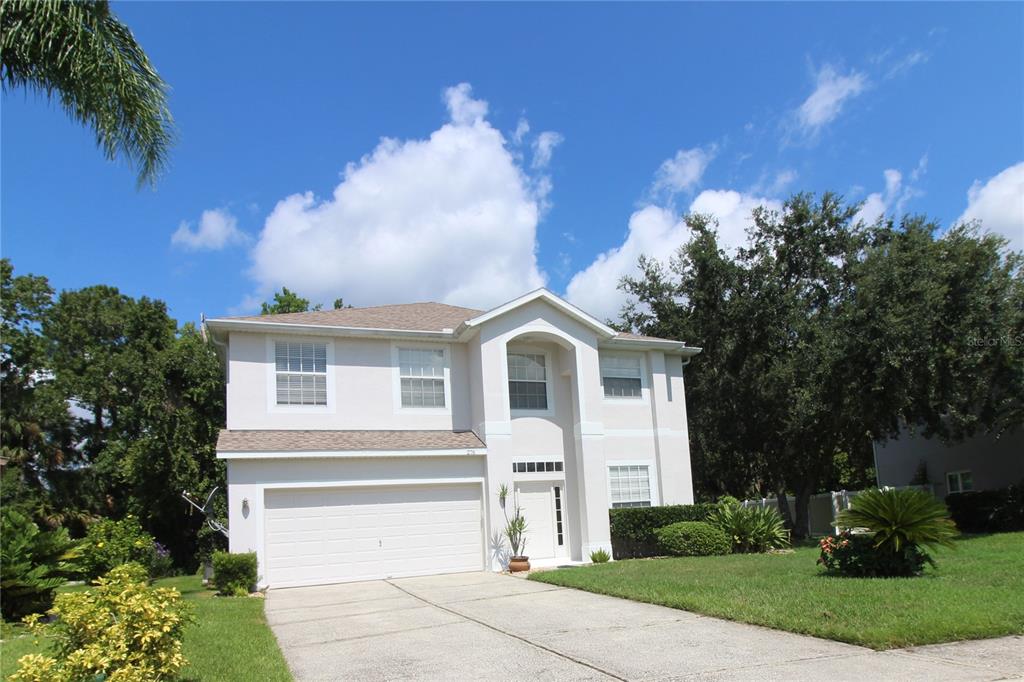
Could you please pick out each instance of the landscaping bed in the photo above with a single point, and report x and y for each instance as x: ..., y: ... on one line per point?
x: 974, y: 592
x: 230, y: 639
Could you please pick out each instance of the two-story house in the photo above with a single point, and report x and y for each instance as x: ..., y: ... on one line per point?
x: 364, y: 443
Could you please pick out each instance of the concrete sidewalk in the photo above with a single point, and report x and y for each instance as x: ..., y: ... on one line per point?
x: 483, y: 626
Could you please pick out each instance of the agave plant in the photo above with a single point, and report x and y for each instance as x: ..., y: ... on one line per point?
x: 751, y: 529
x: 900, y: 519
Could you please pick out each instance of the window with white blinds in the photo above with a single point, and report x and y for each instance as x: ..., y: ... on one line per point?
x: 301, y: 373
x: 527, y: 381
x: 620, y: 375
x: 630, y: 485
x: 421, y: 374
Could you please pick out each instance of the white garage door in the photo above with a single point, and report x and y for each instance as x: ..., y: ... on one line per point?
x: 319, y: 536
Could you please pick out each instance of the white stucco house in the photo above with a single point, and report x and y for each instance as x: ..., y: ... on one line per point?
x: 364, y: 443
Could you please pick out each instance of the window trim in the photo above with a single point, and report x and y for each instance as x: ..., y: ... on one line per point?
x: 959, y: 480
x: 652, y: 476
x: 271, y: 382
x: 645, y: 392
x: 396, y: 378
x: 517, y: 349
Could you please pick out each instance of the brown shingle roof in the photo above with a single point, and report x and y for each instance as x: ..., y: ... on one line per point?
x: 640, y: 337
x: 432, y: 317
x: 331, y: 441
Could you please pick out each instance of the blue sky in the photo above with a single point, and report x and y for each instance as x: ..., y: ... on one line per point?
x: 523, y: 144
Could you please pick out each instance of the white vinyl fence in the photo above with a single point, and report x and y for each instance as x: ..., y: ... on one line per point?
x: 823, y: 507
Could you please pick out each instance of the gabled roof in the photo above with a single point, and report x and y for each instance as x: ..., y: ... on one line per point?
x: 544, y: 295
x: 429, y: 321
x: 427, y: 317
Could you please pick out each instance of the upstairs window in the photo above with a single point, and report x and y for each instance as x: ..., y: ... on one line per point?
x: 301, y: 371
x: 620, y: 375
x: 421, y: 374
x: 959, y: 482
x: 630, y: 486
x: 527, y: 381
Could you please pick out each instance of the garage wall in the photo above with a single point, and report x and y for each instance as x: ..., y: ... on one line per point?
x: 248, y: 479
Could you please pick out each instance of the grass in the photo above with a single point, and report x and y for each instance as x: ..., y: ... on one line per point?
x: 975, y: 592
x: 230, y: 639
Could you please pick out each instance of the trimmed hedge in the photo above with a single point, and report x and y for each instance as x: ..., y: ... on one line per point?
x: 988, y: 511
x: 632, y: 528
x: 234, y: 575
x: 693, y: 538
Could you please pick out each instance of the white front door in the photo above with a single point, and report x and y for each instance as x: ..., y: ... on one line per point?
x: 543, y: 506
x: 319, y: 536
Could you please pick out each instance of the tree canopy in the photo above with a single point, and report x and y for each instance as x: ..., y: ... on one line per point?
x: 109, y: 409
x: 822, y: 336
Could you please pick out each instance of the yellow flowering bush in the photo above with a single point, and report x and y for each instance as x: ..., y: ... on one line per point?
x: 122, y: 630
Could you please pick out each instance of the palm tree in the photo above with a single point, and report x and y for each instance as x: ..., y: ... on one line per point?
x: 77, y: 51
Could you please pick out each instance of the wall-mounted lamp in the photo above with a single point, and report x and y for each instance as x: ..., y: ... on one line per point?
x: 245, y: 505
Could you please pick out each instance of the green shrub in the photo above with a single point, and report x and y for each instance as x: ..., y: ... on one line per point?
x: 234, y: 575
x: 898, y: 525
x: 632, y: 528
x: 988, y: 511
x: 109, y: 543
x: 33, y: 564
x: 750, y: 529
x: 599, y: 556
x: 122, y: 630
x: 692, y: 538
x: 855, y: 555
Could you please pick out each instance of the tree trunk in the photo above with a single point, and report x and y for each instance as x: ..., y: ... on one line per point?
x: 783, y: 504
x: 800, y: 523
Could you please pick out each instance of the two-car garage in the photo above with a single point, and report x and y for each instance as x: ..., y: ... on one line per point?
x: 322, y: 507
x: 330, y: 535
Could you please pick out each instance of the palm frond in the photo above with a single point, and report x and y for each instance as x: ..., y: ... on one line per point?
x: 78, y: 52
x: 900, y: 518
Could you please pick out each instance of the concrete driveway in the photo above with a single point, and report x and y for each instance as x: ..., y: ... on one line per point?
x: 483, y: 626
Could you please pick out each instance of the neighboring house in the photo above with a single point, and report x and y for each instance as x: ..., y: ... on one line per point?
x: 364, y: 443
x: 980, y: 463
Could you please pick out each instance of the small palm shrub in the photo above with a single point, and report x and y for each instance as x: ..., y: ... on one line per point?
x: 122, y: 630
x: 750, y: 529
x: 692, y: 538
x: 33, y: 564
x: 599, y: 556
x: 234, y: 575
x: 109, y: 543
x: 897, y: 526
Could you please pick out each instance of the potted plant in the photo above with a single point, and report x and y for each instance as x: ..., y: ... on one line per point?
x: 515, y: 531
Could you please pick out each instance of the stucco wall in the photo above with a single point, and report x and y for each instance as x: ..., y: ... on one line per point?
x: 361, y: 388
x: 993, y: 463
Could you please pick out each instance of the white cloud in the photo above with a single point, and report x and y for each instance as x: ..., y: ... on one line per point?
x: 831, y: 92
x: 893, y: 199
x: 463, y: 109
x: 682, y: 172
x: 903, y: 65
x: 217, y: 229
x: 522, y: 128
x: 543, y: 147
x: 774, y: 185
x: 451, y: 218
x: 999, y: 204
x: 658, y: 233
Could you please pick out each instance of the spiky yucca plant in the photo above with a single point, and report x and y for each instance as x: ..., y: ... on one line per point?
x: 900, y: 519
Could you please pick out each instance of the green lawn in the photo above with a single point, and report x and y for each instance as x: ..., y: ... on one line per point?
x: 977, y: 591
x: 230, y: 639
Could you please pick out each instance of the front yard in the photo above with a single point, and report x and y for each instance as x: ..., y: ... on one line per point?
x: 977, y: 591
x: 230, y: 639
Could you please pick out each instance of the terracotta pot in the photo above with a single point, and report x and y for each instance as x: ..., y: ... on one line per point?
x: 519, y: 563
